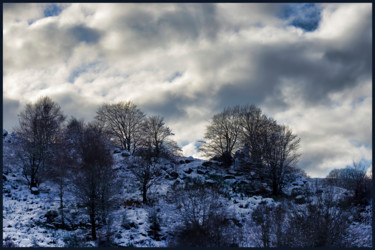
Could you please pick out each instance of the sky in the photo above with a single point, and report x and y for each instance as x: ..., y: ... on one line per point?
x: 309, y: 66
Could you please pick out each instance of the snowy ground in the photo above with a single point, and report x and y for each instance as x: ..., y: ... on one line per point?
x: 26, y: 225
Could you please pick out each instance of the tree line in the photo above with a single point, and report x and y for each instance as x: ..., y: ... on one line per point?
x: 269, y: 145
x: 77, y: 153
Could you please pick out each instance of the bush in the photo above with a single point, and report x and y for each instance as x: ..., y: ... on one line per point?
x: 8, y: 242
x: 322, y: 224
x: 72, y: 240
x: 154, y: 220
x: 125, y: 223
x: 270, y: 219
x: 51, y: 215
x: 205, y: 220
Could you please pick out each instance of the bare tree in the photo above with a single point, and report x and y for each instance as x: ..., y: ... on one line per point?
x: 74, y: 131
x: 281, y: 155
x: 39, y: 126
x: 253, y: 124
x: 353, y: 178
x: 146, y: 173
x: 156, y: 134
x: 123, y: 121
x: 221, y: 137
x: 95, y: 181
x: 262, y: 216
x: 206, y: 221
x: 321, y: 223
x: 61, y: 162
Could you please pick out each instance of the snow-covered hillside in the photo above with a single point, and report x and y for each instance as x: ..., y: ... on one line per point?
x: 31, y: 220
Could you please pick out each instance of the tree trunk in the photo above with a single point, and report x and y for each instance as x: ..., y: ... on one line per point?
x: 93, y: 226
x: 144, y: 194
x: 275, y: 189
x: 33, y: 182
x: 62, y: 205
x: 128, y: 144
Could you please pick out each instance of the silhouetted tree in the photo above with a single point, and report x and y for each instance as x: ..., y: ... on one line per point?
x: 205, y: 220
x: 39, y: 126
x: 221, y: 136
x: 95, y: 182
x: 61, y: 162
x: 321, y: 223
x: 253, y: 124
x: 353, y: 178
x: 156, y: 135
x: 281, y: 155
x: 122, y: 120
x: 146, y: 172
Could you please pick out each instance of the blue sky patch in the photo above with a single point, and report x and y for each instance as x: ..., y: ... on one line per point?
x: 82, y: 69
x: 174, y: 76
x: 301, y: 15
x: 52, y: 10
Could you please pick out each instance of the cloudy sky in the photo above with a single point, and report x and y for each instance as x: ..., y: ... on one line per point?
x: 306, y: 65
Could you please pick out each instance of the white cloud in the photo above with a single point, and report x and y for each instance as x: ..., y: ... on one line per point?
x: 317, y: 82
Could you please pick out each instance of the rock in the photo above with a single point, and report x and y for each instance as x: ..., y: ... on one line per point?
x: 51, y: 215
x: 206, y: 163
x: 181, y: 161
x: 125, y: 153
x: 319, y: 191
x: 200, y: 171
x: 189, y: 159
x: 5, y: 133
x: 174, y: 175
x: 237, y: 222
x: 4, y: 178
x: 227, y: 177
x: 300, y: 199
x: 188, y: 171
x: 232, y: 172
x: 35, y: 190
x: 296, y: 191
x: 243, y: 182
x: 210, y: 183
x: 117, y: 151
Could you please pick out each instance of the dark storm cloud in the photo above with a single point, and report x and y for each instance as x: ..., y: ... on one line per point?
x: 185, y: 23
x: 317, y: 78
x: 48, y: 44
x: 200, y: 20
x: 174, y: 107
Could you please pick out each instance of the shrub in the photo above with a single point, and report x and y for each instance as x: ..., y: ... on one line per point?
x: 154, y: 220
x: 8, y: 242
x: 205, y: 220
